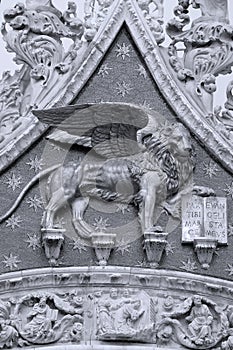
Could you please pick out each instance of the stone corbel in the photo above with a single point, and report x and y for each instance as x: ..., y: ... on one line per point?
x: 103, y: 243
x: 154, y: 244
x: 204, y: 248
x: 52, y: 241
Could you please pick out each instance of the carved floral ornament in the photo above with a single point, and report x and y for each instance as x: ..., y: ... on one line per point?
x: 54, y: 76
x: 98, y: 307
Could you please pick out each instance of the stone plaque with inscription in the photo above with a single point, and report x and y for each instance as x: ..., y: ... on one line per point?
x: 215, y: 221
x: 204, y: 217
x: 192, y: 218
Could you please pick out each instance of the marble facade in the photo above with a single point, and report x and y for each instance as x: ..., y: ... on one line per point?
x: 116, y: 177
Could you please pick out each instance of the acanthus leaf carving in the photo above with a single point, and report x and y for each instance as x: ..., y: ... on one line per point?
x: 36, y: 39
x: 222, y: 118
x: 10, y: 106
x: 207, y: 49
x: 153, y: 13
x: 95, y: 14
x: 35, y: 35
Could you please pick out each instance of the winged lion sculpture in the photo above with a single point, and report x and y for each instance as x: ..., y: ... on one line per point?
x: 137, y: 157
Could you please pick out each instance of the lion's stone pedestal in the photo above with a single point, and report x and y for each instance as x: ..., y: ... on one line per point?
x: 52, y: 240
x: 103, y: 243
x: 154, y: 245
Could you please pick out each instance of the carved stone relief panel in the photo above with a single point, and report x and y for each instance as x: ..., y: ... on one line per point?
x: 94, y: 306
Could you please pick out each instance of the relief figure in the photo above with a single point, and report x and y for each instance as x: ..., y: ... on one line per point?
x: 200, y: 320
x: 119, y: 317
x: 127, y: 315
x: 40, y: 320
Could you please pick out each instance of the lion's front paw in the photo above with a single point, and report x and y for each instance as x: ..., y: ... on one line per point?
x: 203, y: 191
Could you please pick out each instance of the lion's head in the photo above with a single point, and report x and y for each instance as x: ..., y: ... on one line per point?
x: 173, y: 151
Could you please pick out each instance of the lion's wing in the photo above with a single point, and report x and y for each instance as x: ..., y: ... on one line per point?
x: 109, y: 128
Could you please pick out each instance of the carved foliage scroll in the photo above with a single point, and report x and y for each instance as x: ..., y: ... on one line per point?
x: 36, y: 34
x: 197, y: 56
x: 41, y: 318
x: 118, y: 314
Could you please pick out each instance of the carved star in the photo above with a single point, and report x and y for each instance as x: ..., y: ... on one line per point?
x: 229, y: 190
x: 79, y: 245
x: 123, y: 88
x: 33, y: 241
x: 210, y: 169
x: 13, y: 181
x: 123, y: 249
x: 101, y: 224
x: 104, y: 70
x: 123, y: 51
x: 11, y: 261
x: 141, y: 71
x: 188, y: 265
x: 229, y: 269
x: 169, y: 249
x: 123, y: 208
x: 35, y: 202
x: 35, y: 164
x: 13, y: 222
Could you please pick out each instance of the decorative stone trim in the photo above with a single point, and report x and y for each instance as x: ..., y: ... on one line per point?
x: 115, y: 276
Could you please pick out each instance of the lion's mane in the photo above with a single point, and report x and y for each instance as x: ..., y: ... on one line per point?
x: 178, y: 173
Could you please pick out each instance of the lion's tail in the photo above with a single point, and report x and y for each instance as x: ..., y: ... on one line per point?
x: 25, y: 190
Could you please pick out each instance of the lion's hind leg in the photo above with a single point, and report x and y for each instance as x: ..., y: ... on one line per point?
x: 79, y: 207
